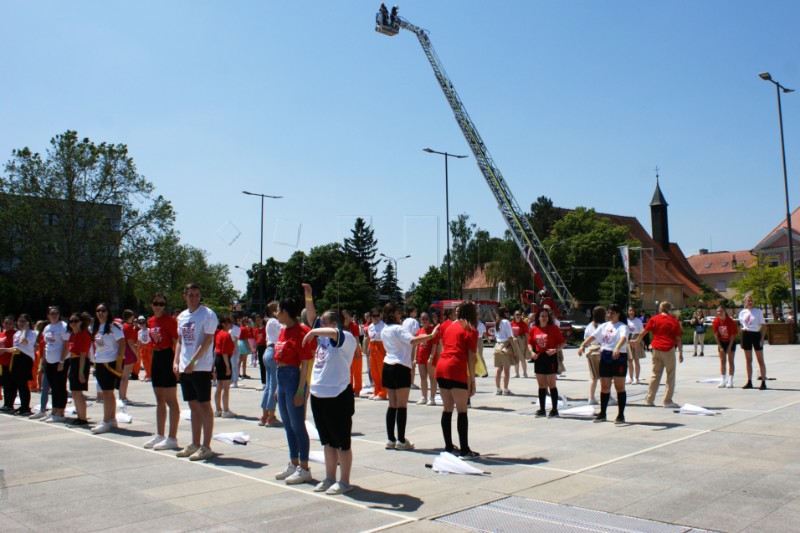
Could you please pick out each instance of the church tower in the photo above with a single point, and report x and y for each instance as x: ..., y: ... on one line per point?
x: 658, y: 217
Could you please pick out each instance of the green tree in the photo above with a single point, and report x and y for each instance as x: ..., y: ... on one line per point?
x: 759, y: 280
x: 322, y: 263
x: 584, y: 248
x: 388, y: 287
x: 273, y: 273
x: 348, y: 290
x: 78, y: 221
x: 432, y: 286
x: 510, y: 268
x: 462, y: 265
x: 294, y: 275
x: 361, y: 248
x: 543, y: 217
x: 614, y: 288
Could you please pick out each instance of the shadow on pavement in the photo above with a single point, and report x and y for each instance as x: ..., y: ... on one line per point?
x: 221, y: 460
x: 489, y: 459
x: 386, y: 501
x: 132, y: 432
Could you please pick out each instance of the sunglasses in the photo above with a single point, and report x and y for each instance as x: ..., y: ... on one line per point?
x: 102, y: 311
x: 158, y: 304
x: 53, y: 313
x: 74, y: 321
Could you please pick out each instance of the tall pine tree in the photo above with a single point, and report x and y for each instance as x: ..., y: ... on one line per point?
x: 360, y: 249
x: 388, y: 284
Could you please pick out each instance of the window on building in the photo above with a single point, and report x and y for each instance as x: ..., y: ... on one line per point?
x: 774, y: 262
x: 725, y: 263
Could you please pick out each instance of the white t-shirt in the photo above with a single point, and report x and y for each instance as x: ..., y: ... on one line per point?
x: 26, y: 342
x: 503, y: 331
x: 397, y: 343
x: 609, y: 334
x: 192, y: 329
x: 375, y: 331
x: 273, y: 330
x: 751, y: 319
x: 107, y: 344
x: 635, y: 325
x: 55, y: 335
x: 331, y: 372
x: 235, y: 331
x: 481, y: 329
x: 411, y: 325
x: 589, y: 332
x: 144, y: 336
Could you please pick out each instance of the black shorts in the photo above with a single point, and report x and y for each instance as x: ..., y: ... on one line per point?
x: 334, y: 418
x: 396, y: 376
x: 196, y: 387
x: 751, y: 340
x: 610, y: 368
x: 74, y: 368
x: 219, y: 367
x: 450, y: 384
x: 161, y: 371
x: 733, y: 347
x: 107, y: 379
x: 546, y: 365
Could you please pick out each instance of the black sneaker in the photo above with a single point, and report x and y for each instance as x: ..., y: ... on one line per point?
x: 452, y: 449
x: 748, y: 385
x: 469, y: 454
x: 541, y: 413
x: 23, y: 412
x: 763, y: 385
x: 6, y: 409
x: 619, y: 420
x: 553, y: 413
x: 600, y: 418
x: 134, y: 377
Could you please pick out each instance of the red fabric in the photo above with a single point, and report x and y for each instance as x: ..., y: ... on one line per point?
x: 163, y: 331
x: 664, y: 328
x: 724, y: 329
x: 357, y: 370
x: 80, y: 342
x: 6, y: 341
x: 424, y: 348
x: 245, y: 333
x: 261, y: 336
x: 376, y: 354
x: 457, y: 342
x: 546, y: 338
x: 519, y: 328
x: 354, y: 330
x: 289, y: 349
x: 443, y: 327
x: 223, y: 343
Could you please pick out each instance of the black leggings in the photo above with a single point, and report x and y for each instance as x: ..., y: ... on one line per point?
x: 58, y: 383
x: 9, y: 387
x: 22, y: 365
x: 260, y: 349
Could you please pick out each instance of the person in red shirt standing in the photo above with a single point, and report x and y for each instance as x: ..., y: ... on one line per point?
x: 223, y: 352
x: 9, y: 386
x: 545, y: 340
x: 427, y: 359
x: 455, y: 375
x: 79, y: 347
x: 520, y: 330
x: 357, y: 366
x: 725, y: 332
x: 131, y: 352
x: 163, y: 332
x: 666, y: 336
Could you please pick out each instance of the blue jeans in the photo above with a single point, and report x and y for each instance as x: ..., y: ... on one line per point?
x: 293, y: 418
x: 45, y: 393
x: 234, y: 370
x: 268, y: 400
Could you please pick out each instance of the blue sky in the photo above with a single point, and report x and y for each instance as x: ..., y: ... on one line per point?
x: 576, y: 100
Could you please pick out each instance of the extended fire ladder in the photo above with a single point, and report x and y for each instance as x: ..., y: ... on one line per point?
x: 532, y: 250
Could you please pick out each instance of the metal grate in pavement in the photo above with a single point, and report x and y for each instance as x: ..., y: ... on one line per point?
x: 515, y: 513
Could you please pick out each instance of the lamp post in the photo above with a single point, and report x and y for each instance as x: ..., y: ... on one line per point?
x: 447, y: 214
x: 778, y: 88
x: 392, y: 259
x: 261, y: 256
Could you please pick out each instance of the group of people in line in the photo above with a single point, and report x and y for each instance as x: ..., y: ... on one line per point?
x: 305, y: 358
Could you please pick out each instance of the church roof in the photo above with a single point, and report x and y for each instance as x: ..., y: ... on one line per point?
x: 658, y: 197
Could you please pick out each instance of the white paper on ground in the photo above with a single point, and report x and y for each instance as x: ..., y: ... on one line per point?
x: 366, y: 392
x: 689, y: 409
x: 186, y: 414
x: 235, y: 437
x: 548, y: 403
x: 447, y: 463
x: 316, y: 457
x: 311, y: 429
x: 581, y: 411
x: 124, y: 418
x: 715, y: 381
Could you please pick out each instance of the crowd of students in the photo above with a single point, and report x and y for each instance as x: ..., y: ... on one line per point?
x: 304, y: 358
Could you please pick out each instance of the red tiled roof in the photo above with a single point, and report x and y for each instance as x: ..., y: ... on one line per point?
x: 782, y: 229
x: 719, y: 262
x: 477, y: 281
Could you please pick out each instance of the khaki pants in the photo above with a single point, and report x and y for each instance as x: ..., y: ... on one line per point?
x: 662, y: 361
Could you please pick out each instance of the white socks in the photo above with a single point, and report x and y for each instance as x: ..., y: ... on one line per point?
x: 726, y: 382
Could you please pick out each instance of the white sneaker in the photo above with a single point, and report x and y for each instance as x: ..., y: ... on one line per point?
x: 228, y: 414
x: 730, y: 383
x: 628, y: 381
x: 404, y: 445
x: 324, y: 485
x: 188, y: 450
x: 290, y: 469
x: 672, y: 405
x: 422, y: 401
x: 39, y: 415
x: 390, y: 445
x: 217, y: 413
x: 55, y: 418
x: 592, y: 401
x: 167, y: 444
x: 201, y: 454
x: 722, y: 384
x: 102, y: 427
x: 339, y: 488
x: 301, y: 475
x: 155, y: 440
x: 635, y: 381
x: 431, y: 402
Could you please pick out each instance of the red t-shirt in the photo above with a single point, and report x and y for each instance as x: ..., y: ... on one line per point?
x: 457, y: 342
x: 519, y: 328
x: 443, y: 327
x: 6, y: 341
x: 261, y: 336
x: 163, y: 331
x: 724, y: 330
x: 131, y: 333
x: 546, y: 338
x: 354, y: 330
x: 424, y: 348
x: 223, y: 343
x: 80, y: 342
x: 664, y: 328
x: 289, y: 349
x: 245, y: 333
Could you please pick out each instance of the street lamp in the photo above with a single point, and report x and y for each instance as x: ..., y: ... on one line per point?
x: 447, y: 213
x: 392, y: 259
x: 778, y: 88
x: 261, y: 257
